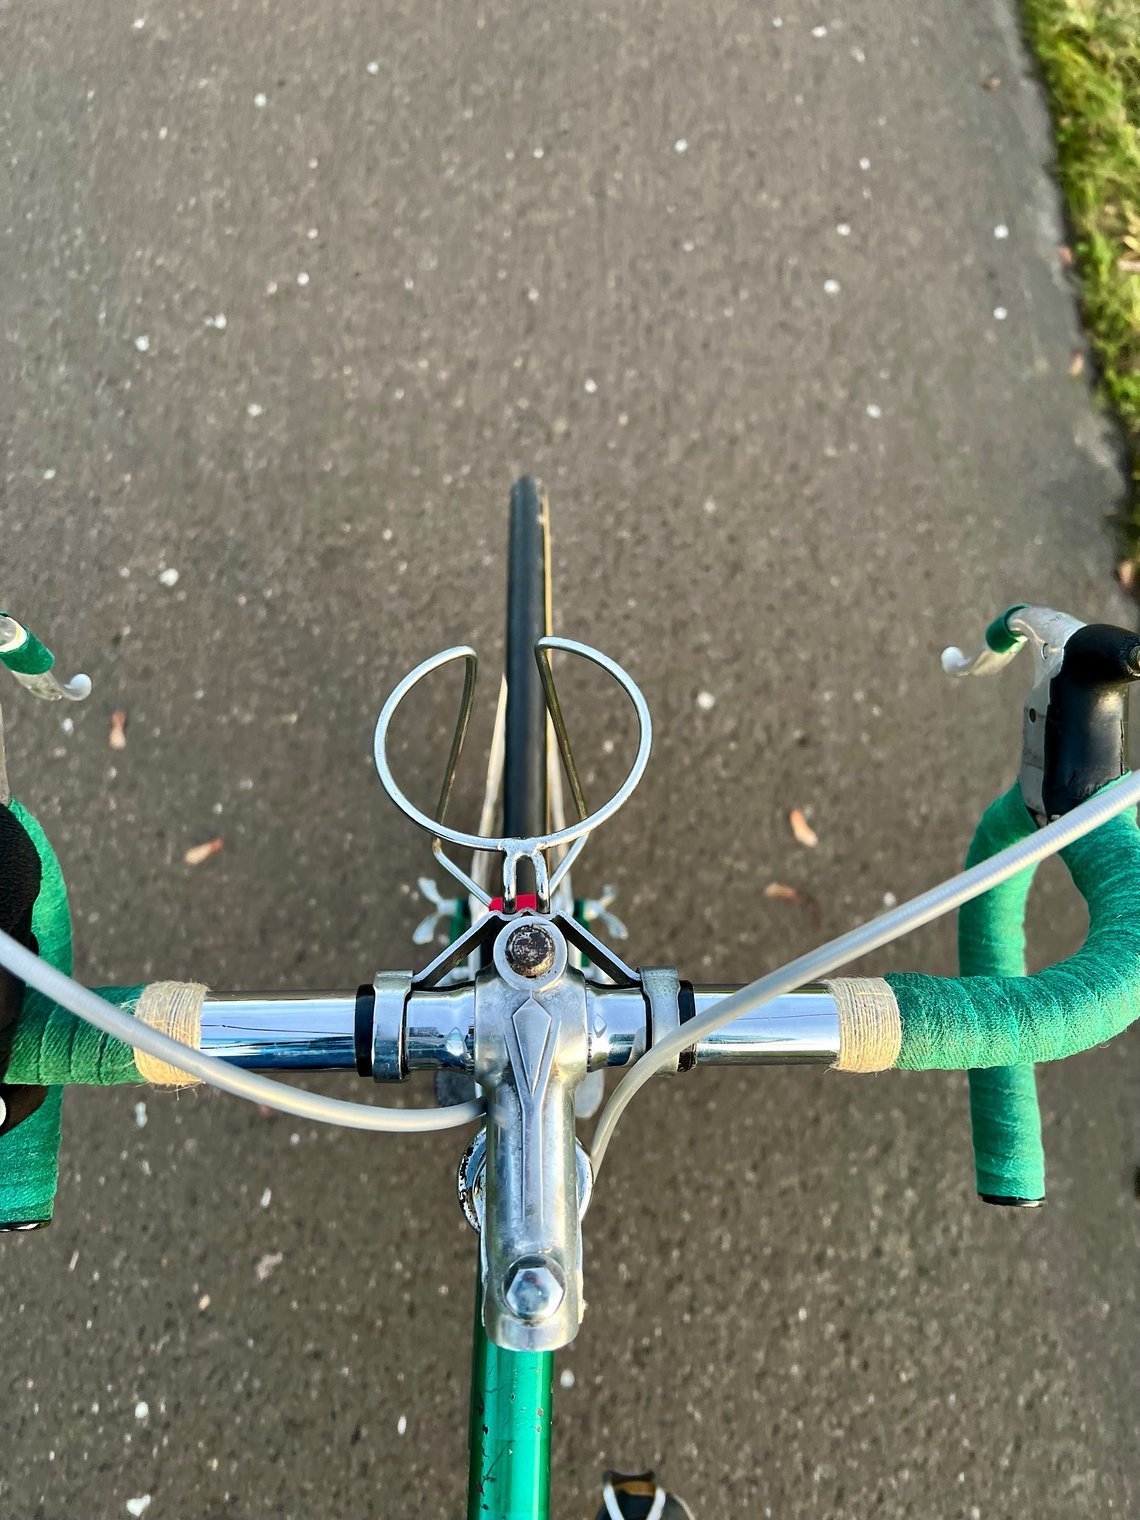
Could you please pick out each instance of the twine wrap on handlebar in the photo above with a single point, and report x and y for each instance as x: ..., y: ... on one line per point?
x: 951, y: 1023
x: 51, y: 1047
x: 870, y: 1031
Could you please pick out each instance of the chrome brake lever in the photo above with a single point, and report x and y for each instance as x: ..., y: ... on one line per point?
x: 1073, y: 724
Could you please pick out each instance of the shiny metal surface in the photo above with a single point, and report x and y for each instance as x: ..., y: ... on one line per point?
x: 530, y: 1055
x: 1047, y: 632
x: 662, y: 993
x: 801, y: 1026
x: 314, y: 1031
x: 472, y: 1173
x: 284, y: 1031
x: 389, y: 1059
x: 439, y: 1029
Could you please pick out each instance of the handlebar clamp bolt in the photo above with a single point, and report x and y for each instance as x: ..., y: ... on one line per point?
x: 531, y: 1290
x: 530, y: 950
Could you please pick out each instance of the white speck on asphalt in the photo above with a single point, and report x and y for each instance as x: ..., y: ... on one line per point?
x: 566, y: 1378
x: 267, y: 1198
x: 402, y: 1425
x: 373, y: 67
x: 203, y: 1303
x: 255, y: 409
x: 313, y: 233
x: 859, y: 55
x: 168, y: 577
x: 219, y: 321
x: 140, y: 1115
x: 710, y: 504
x: 777, y: 21
x: 874, y: 411
x: 706, y: 701
x: 271, y: 288
x: 260, y: 100
x: 590, y: 387
x: 138, y: 1506
x: 1001, y: 232
x: 49, y: 474
x: 890, y: 900
x: 540, y: 153
x: 844, y: 229
x: 864, y: 164
x: 302, y: 278
x: 142, y: 343
x: 68, y: 725
x: 142, y: 1409
x: 138, y: 23
x: 831, y: 287
x: 1000, y: 313
x: 819, y: 31
x: 268, y: 1264
x: 681, y: 145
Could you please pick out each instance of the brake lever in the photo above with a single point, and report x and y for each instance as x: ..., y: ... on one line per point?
x: 1074, y: 725
x: 31, y: 663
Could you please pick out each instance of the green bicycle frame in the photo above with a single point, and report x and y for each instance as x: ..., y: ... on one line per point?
x: 511, y: 1396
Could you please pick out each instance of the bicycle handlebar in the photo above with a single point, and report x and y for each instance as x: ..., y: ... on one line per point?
x: 993, y: 1021
x: 998, y: 1020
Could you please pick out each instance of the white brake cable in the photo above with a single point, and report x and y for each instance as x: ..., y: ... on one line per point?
x: 880, y: 931
x: 95, y: 1010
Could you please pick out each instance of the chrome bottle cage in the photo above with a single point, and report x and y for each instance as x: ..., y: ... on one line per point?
x: 573, y: 837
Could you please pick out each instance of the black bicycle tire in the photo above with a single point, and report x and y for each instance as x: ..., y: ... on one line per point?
x: 525, y: 793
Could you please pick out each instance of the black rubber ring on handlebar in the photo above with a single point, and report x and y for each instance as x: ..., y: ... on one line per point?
x: 687, y: 1008
x: 362, y: 1028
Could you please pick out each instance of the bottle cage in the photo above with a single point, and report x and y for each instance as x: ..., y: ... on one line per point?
x: 536, y: 848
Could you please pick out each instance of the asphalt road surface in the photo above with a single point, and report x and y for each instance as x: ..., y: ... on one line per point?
x: 770, y: 297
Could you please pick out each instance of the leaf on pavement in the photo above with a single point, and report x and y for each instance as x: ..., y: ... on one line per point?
x: 201, y: 852
x: 802, y: 829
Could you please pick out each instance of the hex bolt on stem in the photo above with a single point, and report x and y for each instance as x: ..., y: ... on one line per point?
x: 531, y: 1290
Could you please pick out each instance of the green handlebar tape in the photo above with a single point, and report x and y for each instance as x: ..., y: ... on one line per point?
x: 29, y: 1154
x: 960, y: 1023
x: 1009, y: 1160
x: 29, y: 1165
x: 31, y: 658
x: 51, y: 1045
x: 998, y: 635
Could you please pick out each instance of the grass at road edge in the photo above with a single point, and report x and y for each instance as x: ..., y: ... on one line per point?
x: 1088, y: 52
